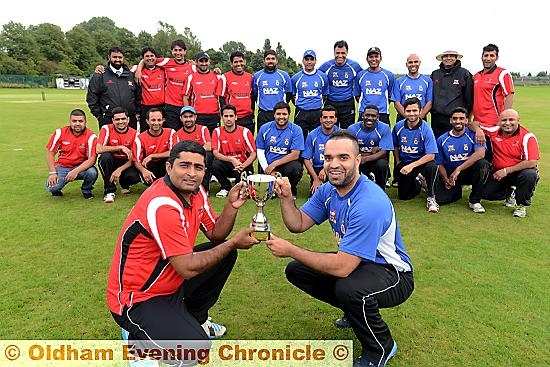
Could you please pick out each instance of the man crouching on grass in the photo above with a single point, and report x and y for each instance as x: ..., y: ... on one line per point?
x: 370, y: 270
x: 160, y: 285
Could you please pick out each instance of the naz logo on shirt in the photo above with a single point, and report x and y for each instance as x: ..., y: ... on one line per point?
x: 409, y: 150
x: 373, y: 91
x: 311, y: 93
x: 411, y: 95
x: 340, y: 83
x: 270, y: 91
x: 278, y: 150
x: 458, y: 157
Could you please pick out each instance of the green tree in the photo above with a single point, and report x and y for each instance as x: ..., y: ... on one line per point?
x: 132, y: 49
x: 51, y: 42
x: 18, y: 43
x: 9, y: 65
x: 84, y: 54
x: 193, y: 44
x: 97, y: 24
x: 144, y: 39
x: 164, y: 37
x: 228, y: 47
x: 542, y: 74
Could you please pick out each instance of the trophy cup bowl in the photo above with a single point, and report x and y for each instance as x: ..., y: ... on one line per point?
x: 260, y: 188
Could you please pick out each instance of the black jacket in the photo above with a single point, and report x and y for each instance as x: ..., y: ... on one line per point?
x: 452, y: 88
x: 107, y: 91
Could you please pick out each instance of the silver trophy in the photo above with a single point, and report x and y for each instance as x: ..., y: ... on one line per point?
x: 260, y: 188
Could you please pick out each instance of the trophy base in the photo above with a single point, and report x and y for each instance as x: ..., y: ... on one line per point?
x: 261, y: 235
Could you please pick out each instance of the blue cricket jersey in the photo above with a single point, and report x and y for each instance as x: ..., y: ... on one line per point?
x: 270, y: 87
x: 379, y: 136
x: 414, y: 143
x: 314, y: 148
x: 363, y: 222
x: 407, y: 87
x: 455, y: 150
x: 374, y: 88
x: 341, y: 79
x: 309, y: 89
x: 279, y: 142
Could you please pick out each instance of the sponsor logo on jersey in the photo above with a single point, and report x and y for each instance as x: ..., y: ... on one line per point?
x: 458, y: 157
x: 332, y: 216
x: 373, y: 91
x: 409, y: 150
x: 270, y: 91
x: 411, y: 95
x: 310, y: 93
x: 278, y: 150
x: 340, y: 83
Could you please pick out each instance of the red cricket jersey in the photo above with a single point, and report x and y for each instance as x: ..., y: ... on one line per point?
x: 176, y: 77
x: 237, y: 90
x: 239, y: 143
x: 109, y: 137
x: 204, y: 90
x: 200, y: 135
x: 71, y: 149
x: 509, y: 151
x: 152, y: 86
x: 147, y: 144
x: 489, y: 91
x: 160, y: 225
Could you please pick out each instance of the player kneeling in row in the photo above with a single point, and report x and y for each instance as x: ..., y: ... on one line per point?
x: 234, y: 150
x: 460, y: 161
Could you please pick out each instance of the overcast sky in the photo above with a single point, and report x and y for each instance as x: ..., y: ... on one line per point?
x: 398, y: 27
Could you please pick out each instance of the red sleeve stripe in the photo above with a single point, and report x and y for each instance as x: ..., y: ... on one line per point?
x: 152, y: 208
x: 56, y: 137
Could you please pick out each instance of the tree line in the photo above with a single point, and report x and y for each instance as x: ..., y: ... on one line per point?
x: 44, y: 49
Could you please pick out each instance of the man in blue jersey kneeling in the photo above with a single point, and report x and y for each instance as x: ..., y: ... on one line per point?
x: 371, y: 269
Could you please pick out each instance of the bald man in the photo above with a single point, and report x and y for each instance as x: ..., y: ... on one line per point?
x: 413, y: 84
x: 515, y: 157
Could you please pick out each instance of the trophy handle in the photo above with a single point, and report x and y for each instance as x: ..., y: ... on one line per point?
x: 244, y: 175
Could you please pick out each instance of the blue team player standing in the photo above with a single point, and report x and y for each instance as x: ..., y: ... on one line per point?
x: 270, y: 86
x: 371, y: 268
x: 341, y: 73
x: 309, y: 90
x: 374, y: 86
x: 412, y: 84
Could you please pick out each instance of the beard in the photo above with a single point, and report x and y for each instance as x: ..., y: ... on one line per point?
x: 343, y: 182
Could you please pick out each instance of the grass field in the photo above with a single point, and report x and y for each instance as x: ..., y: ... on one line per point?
x: 480, y: 298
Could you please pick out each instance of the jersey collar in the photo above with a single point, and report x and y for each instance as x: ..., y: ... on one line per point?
x: 169, y: 183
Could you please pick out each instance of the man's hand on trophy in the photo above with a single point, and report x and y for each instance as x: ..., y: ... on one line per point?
x: 282, y: 188
x: 279, y: 247
x: 237, y: 195
x: 244, y: 239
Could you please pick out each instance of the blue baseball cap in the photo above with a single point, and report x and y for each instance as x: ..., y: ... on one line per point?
x: 187, y: 109
x: 310, y: 53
